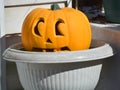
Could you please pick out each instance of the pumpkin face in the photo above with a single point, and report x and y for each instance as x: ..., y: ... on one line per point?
x: 58, y: 30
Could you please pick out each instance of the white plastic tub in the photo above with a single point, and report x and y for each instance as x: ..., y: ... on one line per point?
x: 74, y: 70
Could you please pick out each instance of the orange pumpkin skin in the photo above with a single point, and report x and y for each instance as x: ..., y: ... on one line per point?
x: 56, y: 29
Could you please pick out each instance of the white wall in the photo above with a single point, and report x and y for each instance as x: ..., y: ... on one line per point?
x: 2, y: 18
x: 17, y: 2
x: 14, y: 16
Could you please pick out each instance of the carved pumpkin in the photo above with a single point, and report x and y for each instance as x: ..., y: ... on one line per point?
x: 56, y: 30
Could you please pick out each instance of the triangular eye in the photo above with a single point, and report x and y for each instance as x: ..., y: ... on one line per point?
x: 57, y: 28
x: 37, y: 32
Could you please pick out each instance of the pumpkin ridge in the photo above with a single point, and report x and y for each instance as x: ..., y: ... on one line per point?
x: 60, y: 17
x: 35, y: 21
x: 47, y: 23
x: 68, y: 26
x: 76, y: 13
x: 43, y: 13
x: 26, y: 25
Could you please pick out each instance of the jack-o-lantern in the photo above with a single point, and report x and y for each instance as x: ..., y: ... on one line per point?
x: 56, y: 30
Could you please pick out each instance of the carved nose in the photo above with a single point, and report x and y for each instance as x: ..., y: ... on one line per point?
x: 48, y: 41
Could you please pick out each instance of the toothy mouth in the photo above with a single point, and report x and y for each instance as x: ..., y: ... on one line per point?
x: 51, y: 49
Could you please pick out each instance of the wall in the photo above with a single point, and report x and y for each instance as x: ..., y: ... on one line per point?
x: 2, y: 47
x: 2, y: 18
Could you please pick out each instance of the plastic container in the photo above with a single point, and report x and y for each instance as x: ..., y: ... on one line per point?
x: 74, y: 70
x: 112, y: 10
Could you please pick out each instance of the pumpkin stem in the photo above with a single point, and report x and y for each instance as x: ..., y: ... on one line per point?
x: 55, y: 7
